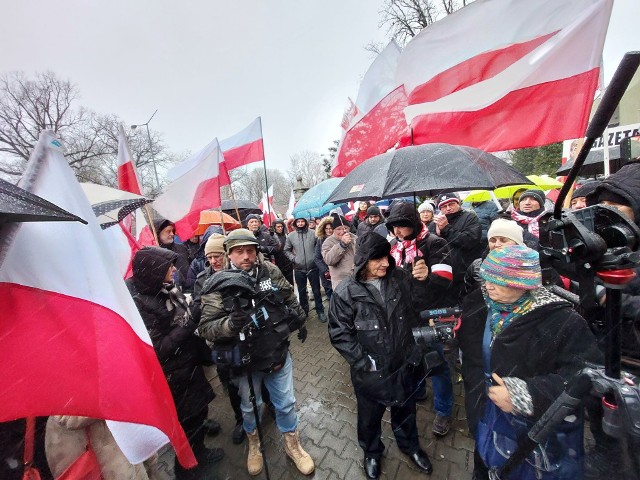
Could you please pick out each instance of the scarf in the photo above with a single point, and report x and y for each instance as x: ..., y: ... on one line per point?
x: 405, y: 252
x: 177, y: 303
x: 502, y: 314
x: 530, y: 220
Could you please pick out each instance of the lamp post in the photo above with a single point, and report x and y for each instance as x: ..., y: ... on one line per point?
x: 153, y: 157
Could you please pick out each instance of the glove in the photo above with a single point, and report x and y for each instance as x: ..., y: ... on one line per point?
x: 238, y: 320
x: 327, y: 275
x: 302, y: 334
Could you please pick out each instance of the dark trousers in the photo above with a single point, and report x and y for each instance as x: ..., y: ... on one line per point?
x: 301, y: 282
x: 232, y: 389
x: 326, y: 284
x: 403, y: 423
x: 194, y: 430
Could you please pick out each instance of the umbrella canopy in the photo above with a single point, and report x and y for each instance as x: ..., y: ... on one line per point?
x: 542, y: 182
x: 18, y: 205
x: 312, y: 203
x: 214, y: 217
x: 594, y: 164
x: 428, y: 169
x: 110, y: 204
x: 245, y: 207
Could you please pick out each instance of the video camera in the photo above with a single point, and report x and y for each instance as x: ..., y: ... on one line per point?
x: 447, y: 321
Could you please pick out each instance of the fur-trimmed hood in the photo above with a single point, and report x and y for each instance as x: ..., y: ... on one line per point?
x: 320, y: 228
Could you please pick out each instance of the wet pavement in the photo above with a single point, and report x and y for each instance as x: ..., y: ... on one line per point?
x: 326, y: 408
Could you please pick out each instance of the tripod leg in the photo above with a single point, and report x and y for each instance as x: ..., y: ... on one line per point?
x: 254, y: 403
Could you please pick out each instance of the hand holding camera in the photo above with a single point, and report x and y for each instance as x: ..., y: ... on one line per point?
x: 238, y: 320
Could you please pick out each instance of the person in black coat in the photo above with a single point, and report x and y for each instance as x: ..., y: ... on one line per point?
x: 462, y: 231
x: 534, y: 342
x: 167, y: 315
x: 370, y: 319
x: 282, y: 261
x: 267, y: 244
x: 166, y: 231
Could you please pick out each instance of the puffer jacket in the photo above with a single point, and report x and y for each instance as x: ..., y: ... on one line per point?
x: 365, y: 324
x: 321, y: 237
x: 300, y: 248
x: 270, y: 344
x: 181, y: 353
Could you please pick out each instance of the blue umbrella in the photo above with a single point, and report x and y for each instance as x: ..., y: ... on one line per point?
x: 311, y: 204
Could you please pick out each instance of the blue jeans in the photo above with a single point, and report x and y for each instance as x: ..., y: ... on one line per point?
x: 301, y: 282
x: 442, y: 388
x: 280, y: 386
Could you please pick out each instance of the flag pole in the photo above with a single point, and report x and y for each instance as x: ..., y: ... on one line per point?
x: 266, y: 180
x: 235, y: 204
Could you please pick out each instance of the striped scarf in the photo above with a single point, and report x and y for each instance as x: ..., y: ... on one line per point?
x: 502, y: 314
x: 530, y: 222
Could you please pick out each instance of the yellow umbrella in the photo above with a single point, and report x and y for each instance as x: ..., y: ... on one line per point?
x: 541, y: 182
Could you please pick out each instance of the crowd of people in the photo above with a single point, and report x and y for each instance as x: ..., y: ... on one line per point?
x: 234, y: 299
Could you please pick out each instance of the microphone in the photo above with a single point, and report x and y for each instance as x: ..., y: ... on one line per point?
x: 440, y: 312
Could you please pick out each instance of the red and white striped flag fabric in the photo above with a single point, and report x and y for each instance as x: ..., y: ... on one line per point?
x: 266, y: 205
x: 72, y: 340
x: 505, y: 74
x: 380, y: 122
x: 127, y: 174
x: 198, y: 189
x: 349, y: 114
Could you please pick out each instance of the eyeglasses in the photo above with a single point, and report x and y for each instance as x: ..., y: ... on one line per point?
x: 215, y: 256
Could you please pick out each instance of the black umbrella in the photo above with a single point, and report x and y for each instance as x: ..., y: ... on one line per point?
x: 594, y: 164
x: 110, y: 204
x: 428, y: 169
x: 245, y: 207
x: 18, y: 205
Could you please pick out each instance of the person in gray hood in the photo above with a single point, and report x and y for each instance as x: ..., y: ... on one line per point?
x: 300, y: 249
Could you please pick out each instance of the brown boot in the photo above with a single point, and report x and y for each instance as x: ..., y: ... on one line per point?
x: 254, y: 459
x: 302, y: 459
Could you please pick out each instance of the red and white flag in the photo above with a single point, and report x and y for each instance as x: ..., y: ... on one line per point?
x: 349, y: 114
x: 266, y: 205
x: 504, y: 74
x: 72, y: 340
x: 127, y: 174
x: 292, y: 205
x: 379, y: 123
x: 198, y: 189
x: 241, y: 149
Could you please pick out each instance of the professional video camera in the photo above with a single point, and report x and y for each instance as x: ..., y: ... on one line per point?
x: 598, y: 241
x: 446, y: 322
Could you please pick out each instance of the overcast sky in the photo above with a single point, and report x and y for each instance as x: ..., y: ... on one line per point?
x: 211, y: 67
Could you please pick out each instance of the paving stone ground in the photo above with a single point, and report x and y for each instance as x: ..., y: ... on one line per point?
x: 327, y: 422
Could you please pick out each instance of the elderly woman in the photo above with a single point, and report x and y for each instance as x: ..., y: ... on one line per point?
x: 520, y: 344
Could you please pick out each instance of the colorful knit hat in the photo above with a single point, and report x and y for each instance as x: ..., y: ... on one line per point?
x: 514, y: 266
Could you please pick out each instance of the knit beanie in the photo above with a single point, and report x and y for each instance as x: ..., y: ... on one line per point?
x: 586, y: 189
x: 373, y: 210
x: 215, y: 244
x: 446, y: 198
x: 339, y: 221
x: 537, y: 195
x: 426, y: 206
x: 514, y: 266
x: 501, y: 227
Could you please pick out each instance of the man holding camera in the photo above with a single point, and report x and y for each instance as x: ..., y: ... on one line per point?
x: 370, y: 319
x: 262, y: 322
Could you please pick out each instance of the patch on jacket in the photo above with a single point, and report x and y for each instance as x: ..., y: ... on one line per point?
x: 265, y: 285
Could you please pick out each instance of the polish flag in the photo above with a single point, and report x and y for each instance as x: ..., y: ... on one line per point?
x: 379, y: 123
x: 198, y: 189
x: 291, y: 206
x: 127, y: 174
x: 349, y: 114
x: 266, y: 205
x: 505, y: 74
x: 72, y: 340
x: 243, y: 148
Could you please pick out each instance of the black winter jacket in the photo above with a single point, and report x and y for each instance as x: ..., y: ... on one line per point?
x: 364, y: 325
x: 544, y: 347
x: 180, y: 352
x: 463, y: 237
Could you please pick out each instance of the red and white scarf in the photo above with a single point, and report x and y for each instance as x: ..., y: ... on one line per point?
x: 530, y: 222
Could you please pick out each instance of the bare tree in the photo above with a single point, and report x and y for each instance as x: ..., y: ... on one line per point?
x: 405, y: 18
x: 309, y: 166
x: 249, y: 185
x: 28, y: 106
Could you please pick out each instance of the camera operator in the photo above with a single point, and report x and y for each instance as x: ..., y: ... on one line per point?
x: 267, y: 343
x: 370, y: 319
x: 529, y: 342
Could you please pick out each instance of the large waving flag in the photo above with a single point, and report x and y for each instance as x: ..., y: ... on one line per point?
x: 127, y: 174
x: 504, y: 74
x: 241, y: 149
x: 379, y: 121
x: 198, y: 189
x: 71, y: 338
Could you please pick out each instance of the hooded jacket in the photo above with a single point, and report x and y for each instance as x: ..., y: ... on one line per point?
x: 300, y: 248
x: 182, y: 262
x: 369, y: 324
x: 282, y: 261
x: 320, y: 238
x: 180, y: 352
